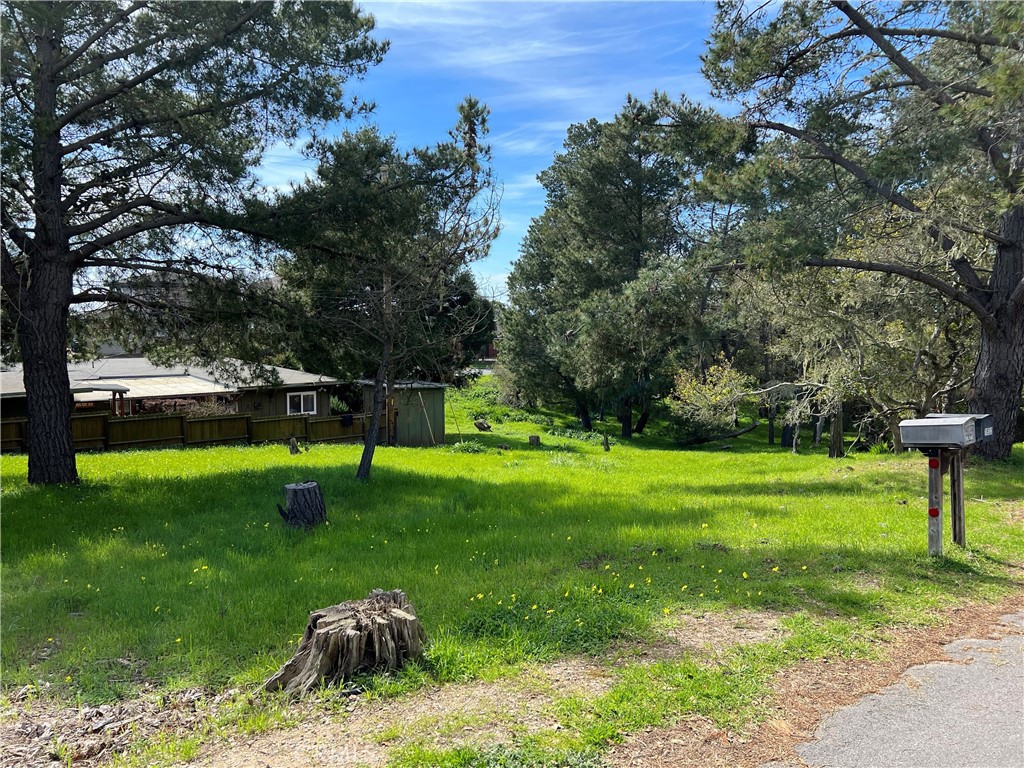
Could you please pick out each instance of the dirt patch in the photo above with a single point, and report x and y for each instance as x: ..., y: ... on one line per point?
x: 489, y: 713
x: 707, y: 635
x: 35, y: 731
x: 804, y: 694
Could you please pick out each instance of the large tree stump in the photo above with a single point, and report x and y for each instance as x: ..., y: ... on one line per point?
x: 378, y: 634
x: 305, y: 505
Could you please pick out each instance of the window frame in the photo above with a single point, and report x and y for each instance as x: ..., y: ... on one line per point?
x: 301, y: 395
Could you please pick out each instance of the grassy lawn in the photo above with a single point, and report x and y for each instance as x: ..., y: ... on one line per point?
x: 173, y: 569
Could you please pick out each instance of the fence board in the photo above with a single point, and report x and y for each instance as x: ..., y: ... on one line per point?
x: 217, y: 429
x: 100, y: 431
x: 278, y: 429
x: 12, y: 435
x: 146, y: 431
x: 89, y: 433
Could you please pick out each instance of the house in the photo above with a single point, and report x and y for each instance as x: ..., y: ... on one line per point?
x: 133, y: 385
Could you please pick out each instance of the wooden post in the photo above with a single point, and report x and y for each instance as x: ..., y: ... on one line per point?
x: 935, y: 503
x: 956, y: 497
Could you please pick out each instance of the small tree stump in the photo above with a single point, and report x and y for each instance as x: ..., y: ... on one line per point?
x: 534, y: 439
x: 305, y: 505
x: 378, y: 634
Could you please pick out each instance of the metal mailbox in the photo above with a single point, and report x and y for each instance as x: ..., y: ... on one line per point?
x: 983, y: 426
x: 940, y: 430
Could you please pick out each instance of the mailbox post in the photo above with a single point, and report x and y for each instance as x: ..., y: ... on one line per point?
x: 942, y: 437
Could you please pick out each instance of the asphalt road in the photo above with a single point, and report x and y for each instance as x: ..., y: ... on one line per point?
x: 940, y: 715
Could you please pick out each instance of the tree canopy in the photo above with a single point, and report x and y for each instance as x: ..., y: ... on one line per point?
x: 129, y: 129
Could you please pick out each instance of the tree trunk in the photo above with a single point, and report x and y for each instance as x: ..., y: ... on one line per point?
x: 894, y: 431
x: 583, y: 412
x: 42, y: 334
x: 378, y: 634
x: 305, y: 507
x: 999, y: 372
x: 626, y: 420
x: 366, y: 460
x: 819, y: 428
x: 771, y: 426
x: 645, y: 416
x: 45, y: 294
x: 998, y: 377
x: 835, y: 435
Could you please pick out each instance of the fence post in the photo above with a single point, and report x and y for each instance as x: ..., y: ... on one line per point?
x: 956, y: 497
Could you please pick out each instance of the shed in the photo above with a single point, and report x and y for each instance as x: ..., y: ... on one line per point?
x: 419, y: 416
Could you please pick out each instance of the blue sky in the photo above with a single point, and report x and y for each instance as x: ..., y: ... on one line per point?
x: 539, y: 66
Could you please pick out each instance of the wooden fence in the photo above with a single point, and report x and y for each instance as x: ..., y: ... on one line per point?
x: 103, y: 432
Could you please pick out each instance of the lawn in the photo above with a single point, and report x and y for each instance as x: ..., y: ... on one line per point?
x: 172, y: 569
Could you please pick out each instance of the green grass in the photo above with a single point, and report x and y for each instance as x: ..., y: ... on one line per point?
x: 173, y: 568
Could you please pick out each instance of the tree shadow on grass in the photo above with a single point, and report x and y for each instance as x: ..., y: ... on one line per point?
x: 141, y: 566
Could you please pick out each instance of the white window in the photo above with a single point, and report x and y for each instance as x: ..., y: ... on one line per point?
x: 301, y: 402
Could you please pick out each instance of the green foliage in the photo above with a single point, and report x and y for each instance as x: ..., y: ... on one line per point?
x: 468, y: 446
x: 603, y: 293
x: 712, y: 399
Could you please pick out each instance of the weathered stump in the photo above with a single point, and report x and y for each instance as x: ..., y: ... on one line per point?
x: 305, y: 505
x: 378, y: 634
x: 534, y: 439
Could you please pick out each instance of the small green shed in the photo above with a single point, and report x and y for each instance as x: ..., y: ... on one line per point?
x: 419, y: 416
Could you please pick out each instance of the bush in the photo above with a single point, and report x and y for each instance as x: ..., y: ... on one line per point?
x: 468, y: 446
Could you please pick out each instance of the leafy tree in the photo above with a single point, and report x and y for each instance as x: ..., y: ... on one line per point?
x: 127, y: 127
x: 916, y: 113
x: 379, y: 247
x: 594, y: 297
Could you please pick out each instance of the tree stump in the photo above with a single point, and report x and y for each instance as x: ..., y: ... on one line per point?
x: 534, y: 439
x: 378, y: 634
x: 305, y: 505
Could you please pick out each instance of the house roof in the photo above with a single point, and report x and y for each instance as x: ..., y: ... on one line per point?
x: 400, y: 385
x: 138, y: 377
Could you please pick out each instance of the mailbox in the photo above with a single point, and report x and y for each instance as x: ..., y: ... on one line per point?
x: 983, y: 427
x: 946, y: 430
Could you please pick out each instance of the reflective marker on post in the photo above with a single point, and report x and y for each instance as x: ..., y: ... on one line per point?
x: 935, y: 504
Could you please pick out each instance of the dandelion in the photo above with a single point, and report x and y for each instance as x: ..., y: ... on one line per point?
x: 49, y: 639
x: 479, y: 595
x: 684, y: 587
x: 775, y: 569
x: 205, y: 567
x: 719, y: 570
x: 178, y: 640
x: 703, y: 525
x: 568, y: 538
x: 665, y: 611
x: 744, y: 574
x: 157, y: 609
x: 640, y: 567
x: 550, y: 610
x: 631, y: 585
x: 67, y: 679
x: 803, y: 568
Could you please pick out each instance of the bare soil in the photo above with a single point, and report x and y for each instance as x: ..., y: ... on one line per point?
x: 35, y: 731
